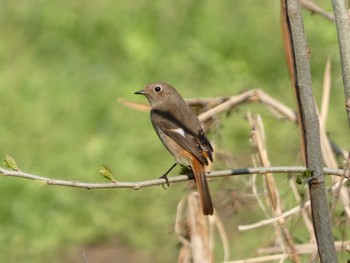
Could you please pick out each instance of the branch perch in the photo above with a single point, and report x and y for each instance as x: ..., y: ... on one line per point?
x: 154, y: 182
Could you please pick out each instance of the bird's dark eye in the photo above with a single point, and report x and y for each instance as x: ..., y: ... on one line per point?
x: 157, y: 88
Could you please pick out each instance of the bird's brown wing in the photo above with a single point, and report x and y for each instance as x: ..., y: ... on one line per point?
x: 193, y: 141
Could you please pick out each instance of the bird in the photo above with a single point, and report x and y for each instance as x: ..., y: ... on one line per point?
x: 180, y: 131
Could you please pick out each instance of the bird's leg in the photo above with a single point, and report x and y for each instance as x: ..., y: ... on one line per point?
x: 165, y: 176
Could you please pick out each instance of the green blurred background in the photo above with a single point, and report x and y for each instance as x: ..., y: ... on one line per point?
x: 63, y: 64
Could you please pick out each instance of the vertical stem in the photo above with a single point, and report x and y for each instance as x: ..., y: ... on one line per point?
x: 260, y: 154
x: 342, y: 21
x: 310, y: 130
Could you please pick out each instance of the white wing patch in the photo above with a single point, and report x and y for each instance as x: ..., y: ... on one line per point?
x: 179, y: 131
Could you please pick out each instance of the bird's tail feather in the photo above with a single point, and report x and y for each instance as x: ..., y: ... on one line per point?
x: 202, y: 186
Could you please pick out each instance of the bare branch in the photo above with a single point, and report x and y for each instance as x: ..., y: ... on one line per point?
x: 134, y: 105
x: 301, y: 249
x: 270, y: 258
x: 307, y: 248
x: 342, y: 22
x: 310, y: 130
x: 227, y: 105
x: 274, y: 219
x: 314, y: 8
x: 174, y: 179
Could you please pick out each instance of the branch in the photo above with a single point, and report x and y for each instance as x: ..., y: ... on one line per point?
x: 274, y: 219
x: 301, y: 249
x: 227, y: 105
x: 174, y: 179
x: 269, y: 258
x: 310, y: 130
x: 306, y: 248
x: 342, y: 22
x: 314, y: 8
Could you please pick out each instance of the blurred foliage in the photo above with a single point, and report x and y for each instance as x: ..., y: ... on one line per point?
x: 64, y: 63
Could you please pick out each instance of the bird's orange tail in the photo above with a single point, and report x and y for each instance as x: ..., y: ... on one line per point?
x: 202, y: 186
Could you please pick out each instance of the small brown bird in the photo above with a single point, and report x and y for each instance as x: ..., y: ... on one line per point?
x: 180, y: 131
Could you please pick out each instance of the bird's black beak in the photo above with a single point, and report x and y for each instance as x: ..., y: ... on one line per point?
x: 140, y: 92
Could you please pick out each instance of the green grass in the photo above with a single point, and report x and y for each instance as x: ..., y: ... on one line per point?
x: 63, y: 64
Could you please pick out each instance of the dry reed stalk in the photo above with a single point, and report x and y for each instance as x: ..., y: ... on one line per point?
x: 198, y: 230
x: 181, y: 231
x: 305, y: 211
x: 201, y: 232
x: 255, y: 189
x: 342, y: 191
x: 223, y: 235
x: 327, y: 153
x: 261, y: 155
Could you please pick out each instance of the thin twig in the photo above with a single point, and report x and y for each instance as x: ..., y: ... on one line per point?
x: 173, y: 179
x: 227, y: 105
x: 301, y: 249
x: 253, y: 180
x: 276, y: 105
x: 304, y: 212
x: 314, y: 8
x: 261, y: 259
x: 223, y: 235
x: 343, y: 190
x: 306, y: 248
x: 268, y: 221
x: 134, y: 105
x: 327, y: 77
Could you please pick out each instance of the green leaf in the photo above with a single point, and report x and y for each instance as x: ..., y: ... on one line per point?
x: 307, y: 174
x: 106, y: 172
x: 299, y: 180
x: 9, y: 162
